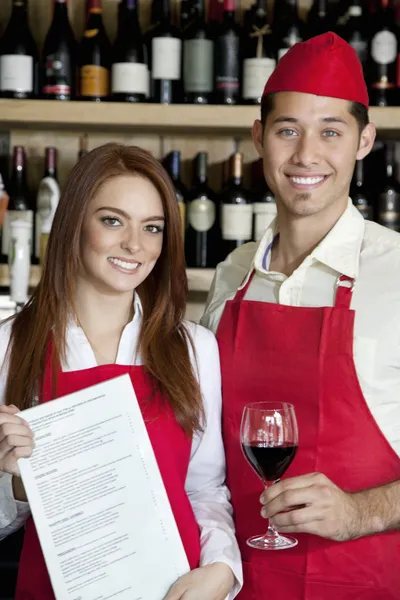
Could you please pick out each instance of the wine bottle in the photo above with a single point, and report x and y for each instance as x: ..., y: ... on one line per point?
x: 290, y: 28
x: 166, y: 51
x: 47, y: 200
x: 19, y: 57
x: 198, y: 55
x: 215, y: 16
x: 172, y: 164
x: 20, y: 205
x: 259, y: 55
x: 227, y: 57
x: 389, y: 196
x: 59, y: 57
x: 355, y: 31
x: 358, y: 192
x: 264, y: 205
x: 202, y: 234
x: 383, y: 50
x: 236, y: 208
x: 95, y: 57
x: 318, y: 21
x: 129, y: 75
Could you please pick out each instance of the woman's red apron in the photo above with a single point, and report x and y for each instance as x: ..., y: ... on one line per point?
x: 172, y: 449
x: 271, y: 352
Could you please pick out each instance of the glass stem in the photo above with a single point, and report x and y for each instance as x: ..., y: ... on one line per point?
x: 271, y: 531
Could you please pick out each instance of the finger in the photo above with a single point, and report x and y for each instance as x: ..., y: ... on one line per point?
x: 10, y: 409
x: 290, y: 500
x: 10, y: 418
x: 297, y: 518
x: 291, y: 483
x: 176, y: 592
x: 21, y: 430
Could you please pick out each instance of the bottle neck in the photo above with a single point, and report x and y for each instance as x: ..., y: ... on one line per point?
x: 165, y: 11
x: 60, y: 14
x: 359, y: 173
x: 229, y: 10
x: 50, y: 169
x: 19, y: 13
x: 18, y: 174
x: 290, y: 9
x: 321, y: 7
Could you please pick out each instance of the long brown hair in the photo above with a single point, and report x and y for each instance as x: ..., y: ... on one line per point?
x: 164, y: 340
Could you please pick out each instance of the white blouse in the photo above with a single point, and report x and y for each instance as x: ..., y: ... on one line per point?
x: 205, y: 482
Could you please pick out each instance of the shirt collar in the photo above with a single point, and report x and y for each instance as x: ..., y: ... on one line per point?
x: 339, y: 250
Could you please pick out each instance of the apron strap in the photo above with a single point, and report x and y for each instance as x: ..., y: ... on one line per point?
x: 241, y: 292
x: 344, y: 291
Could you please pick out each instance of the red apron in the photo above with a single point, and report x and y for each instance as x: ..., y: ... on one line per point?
x: 172, y: 449
x: 271, y: 352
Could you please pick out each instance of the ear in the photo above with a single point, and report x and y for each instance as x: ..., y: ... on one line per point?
x: 257, y: 133
x: 367, y: 139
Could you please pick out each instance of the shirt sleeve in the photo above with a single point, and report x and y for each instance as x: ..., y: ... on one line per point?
x: 13, y: 513
x: 205, y: 483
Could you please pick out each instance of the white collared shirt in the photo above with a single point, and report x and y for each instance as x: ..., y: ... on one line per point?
x: 354, y: 247
x: 205, y: 482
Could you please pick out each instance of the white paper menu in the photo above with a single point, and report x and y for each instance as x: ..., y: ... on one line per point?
x: 98, y: 501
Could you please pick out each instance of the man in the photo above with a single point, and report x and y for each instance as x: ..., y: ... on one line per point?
x: 311, y: 316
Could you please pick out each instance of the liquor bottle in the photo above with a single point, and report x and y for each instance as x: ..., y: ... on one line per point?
x: 388, y: 213
x: 264, y: 205
x: 95, y: 57
x: 318, y: 20
x: 129, y: 74
x: 172, y: 164
x: 227, y: 57
x: 355, y: 31
x: 47, y: 200
x: 58, y: 79
x: 358, y: 192
x: 19, y: 57
x: 198, y: 55
x: 290, y: 28
x: 236, y: 208
x: 202, y: 234
x: 383, y: 50
x: 166, y: 56
x: 20, y: 205
x: 259, y: 55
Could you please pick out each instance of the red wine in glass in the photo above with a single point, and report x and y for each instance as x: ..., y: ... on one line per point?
x: 269, y: 438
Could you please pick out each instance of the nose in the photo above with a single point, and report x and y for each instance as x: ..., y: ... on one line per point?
x: 131, y: 241
x: 307, y: 151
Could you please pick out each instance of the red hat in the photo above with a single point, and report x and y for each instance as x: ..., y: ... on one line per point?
x: 325, y: 65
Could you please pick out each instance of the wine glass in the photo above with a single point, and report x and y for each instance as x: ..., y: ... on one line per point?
x: 269, y: 438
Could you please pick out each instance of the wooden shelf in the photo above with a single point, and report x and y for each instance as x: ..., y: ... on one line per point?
x: 155, y: 118
x: 199, y: 279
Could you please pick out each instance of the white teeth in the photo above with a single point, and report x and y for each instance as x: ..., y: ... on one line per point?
x: 123, y: 264
x: 307, y: 180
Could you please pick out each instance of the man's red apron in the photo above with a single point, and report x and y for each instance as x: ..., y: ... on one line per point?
x: 172, y: 449
x: 271, y: 352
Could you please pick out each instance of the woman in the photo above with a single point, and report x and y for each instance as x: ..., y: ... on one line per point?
x: 111, y: 300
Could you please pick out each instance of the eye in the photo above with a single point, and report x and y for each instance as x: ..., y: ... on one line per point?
x: 111, y: 221
x: 287, y: 132
x: 330, y: 133
x: 154, y: 228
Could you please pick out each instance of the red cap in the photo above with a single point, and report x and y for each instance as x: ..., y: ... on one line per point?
x: 325, y: 65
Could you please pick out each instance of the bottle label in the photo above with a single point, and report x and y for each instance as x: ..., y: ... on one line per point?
x: 166, y: 53
x: 12, y: 215
x: 264, y: 214
x: 57, y: 69
x: 198, y: 65
x: 201, y: 214
x: 384, y: 48
x: 257, y: 71
x: 227, y: 64
x: 94, y: 81
x: 16, y: 73
x: 237, y: 221
x: 129, y: 78
x: 47, y: 202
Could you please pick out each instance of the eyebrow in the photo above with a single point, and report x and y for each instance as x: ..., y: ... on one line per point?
x: 287, y: 119
x: 124, y: 214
